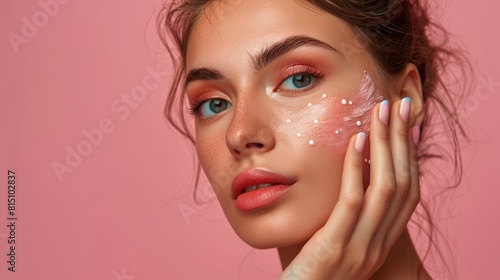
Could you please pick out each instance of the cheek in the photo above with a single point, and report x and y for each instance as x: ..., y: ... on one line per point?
x: 210, y: 148
x: 329, y: 122
x: 206, y: 148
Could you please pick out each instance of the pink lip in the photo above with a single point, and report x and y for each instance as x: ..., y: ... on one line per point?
x: 260, y: 197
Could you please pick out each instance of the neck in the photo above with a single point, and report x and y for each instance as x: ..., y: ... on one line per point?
x: 402, y: 262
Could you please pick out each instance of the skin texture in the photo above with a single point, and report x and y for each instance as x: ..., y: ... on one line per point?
x: 254, y: 131
x: 330, y: 121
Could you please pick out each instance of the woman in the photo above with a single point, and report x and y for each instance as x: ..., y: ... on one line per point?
x: 308, y: 116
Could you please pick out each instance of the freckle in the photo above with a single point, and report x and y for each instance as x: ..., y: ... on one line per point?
x: 350, y: 102
x: 309, y: 104
x: 288, y: 120
x: 344, y: 101
x: 311, y: 142
x: 324, y: 95
x: 358, y: 123
x: 316, y: 121
x: 298, y: 134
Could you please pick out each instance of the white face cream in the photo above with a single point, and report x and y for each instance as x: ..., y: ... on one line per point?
x: 330, y: 121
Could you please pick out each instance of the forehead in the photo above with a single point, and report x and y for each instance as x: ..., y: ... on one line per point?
x: 230, y: 31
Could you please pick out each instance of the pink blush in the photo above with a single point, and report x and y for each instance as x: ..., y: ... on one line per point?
x: 330, y: 121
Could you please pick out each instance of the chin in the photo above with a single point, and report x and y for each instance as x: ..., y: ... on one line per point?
x: 275, y: 229
x: 261, y: 241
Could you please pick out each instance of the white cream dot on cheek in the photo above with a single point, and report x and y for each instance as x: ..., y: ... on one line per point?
x: 326, y: 122
x: 336, y: 122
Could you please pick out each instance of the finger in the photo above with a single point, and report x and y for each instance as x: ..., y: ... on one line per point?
x: 400, y: 156
x: 413, y: 197
x: 379, y: 194
x: 344, y: 216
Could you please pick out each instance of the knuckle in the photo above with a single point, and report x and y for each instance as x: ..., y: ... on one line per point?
x: 384, y: 135
x: 387, y: 188
x: 387, y: 192
x: 404, y: 184
x: 357, y: 164
x: 401, y: 163
x: 389, y: 178
x: 353, y: 200
x: 402, y: 132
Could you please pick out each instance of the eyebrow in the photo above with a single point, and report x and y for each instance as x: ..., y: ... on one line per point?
x: 202, y: 74
x: 269, y: 54
x: 263, y: 58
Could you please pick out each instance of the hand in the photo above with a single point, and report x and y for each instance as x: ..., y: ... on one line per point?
x: 363, y: 226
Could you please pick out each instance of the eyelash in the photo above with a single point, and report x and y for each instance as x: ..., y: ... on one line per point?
x: 302, y: 70
x: 194, y: 107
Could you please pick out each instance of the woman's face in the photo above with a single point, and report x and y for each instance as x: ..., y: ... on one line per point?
x: 282, y: 87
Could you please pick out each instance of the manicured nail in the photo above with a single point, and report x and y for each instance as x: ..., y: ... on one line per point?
x: 404, y: 109
x: 383, y: 113
x: 416, y: 134
x: 360, y: 142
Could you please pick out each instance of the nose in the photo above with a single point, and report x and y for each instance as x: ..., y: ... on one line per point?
x: 250, y: 130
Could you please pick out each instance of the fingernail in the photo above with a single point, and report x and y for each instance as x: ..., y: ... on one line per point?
x: 360, y: 142
x: 383, y: 113
x: 416, y: 134
x: 404, y: 109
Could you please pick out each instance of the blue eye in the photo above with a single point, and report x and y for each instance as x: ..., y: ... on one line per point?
x: 298, y: 81
x: 213, y: 107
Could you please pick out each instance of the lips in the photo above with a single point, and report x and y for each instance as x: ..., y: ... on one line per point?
x: 256, y: 179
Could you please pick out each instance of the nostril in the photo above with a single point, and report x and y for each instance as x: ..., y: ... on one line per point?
x: 256, y: 145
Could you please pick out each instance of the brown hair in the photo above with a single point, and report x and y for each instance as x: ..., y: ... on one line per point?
x: 395, y: 32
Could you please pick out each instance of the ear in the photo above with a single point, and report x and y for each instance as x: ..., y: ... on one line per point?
x: 411, y: 86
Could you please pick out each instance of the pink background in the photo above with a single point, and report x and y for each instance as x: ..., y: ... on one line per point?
x: 118, y: 213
